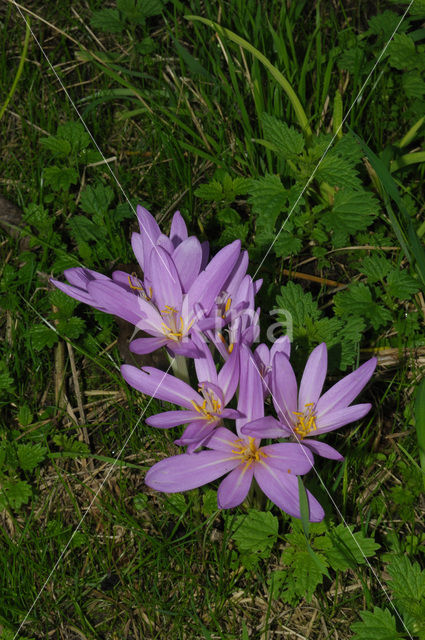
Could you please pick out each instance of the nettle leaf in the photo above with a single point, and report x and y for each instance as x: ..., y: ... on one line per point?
x: 42, y: 336
x: 357, y: 301
x: 75, y: 134
x: 308, y: 573
x: 70, y: 445
x: 376, y: 625
x: 64, y: 303
x: 84, y: 230
x: 287, y: 244
x: 349, y: 549
x: 300, y: 304
x: 284, y: 139
x: 107, y: 20
x: 96, y: 199
x: 352, y: 210
x: 123, y: 211
x: 211, y: 191
x: 352, y: 60
x: 60, y: 178
x: 14, y: 493
x: 384, y: 24
x: 348, y: 147
x: 71, y: 327
x: 38, y: 217
x: 268, y: 197
x: 408, y: 585
x: 338, y: 171
x: 136, y: 11
x: 401, y: 285
x: 256, y: 532
x: 175, y: 503
x: 59, y: 147
x: 413, y: 84
x: 30, y: 455
x: 375, y: 267
x: 6, y: 381
x: 401, y: 52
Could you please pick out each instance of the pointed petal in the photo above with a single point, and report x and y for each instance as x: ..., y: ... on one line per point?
x: 170, y: 419
x: 80, y: 276
x: 232, y: 283
x: 313, y: 377
x: 284, y: 388
x: 147, y: 345
x: 234, y: 488
x: 251, y: 397
x: 267, y: 427
x: 75, y: 292
x: 335, y: 419
x: 291, y: 457
x: 204, y: 366
x: 188, y: 257
x: 228, y: 378
x: 231, y: 414
x: 149, y: 229
x: 262, y: 356
x: 138, y: 249
x: 281, y: 345
x: 112, y: 298
x: 322, y: 449
x: 223, y: 440
x: 185, y: 348
x: 196, y: 432
x: 208, y: 284
x: 178, y: 231
x: 158, y: 384
x: 165, y: 242
x: 257, y: 285
x: 168, y: 292
x: 343, y: 392
x: 282, y: 489
x: 188, y: 471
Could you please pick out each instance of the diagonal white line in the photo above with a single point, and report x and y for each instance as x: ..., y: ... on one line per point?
x: 356, y: 99
x: 336, y: 507
x: 90, y: 134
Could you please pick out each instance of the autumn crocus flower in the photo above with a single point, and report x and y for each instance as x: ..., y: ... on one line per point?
x: 275, y: 467
x: 264, y: 359
x: 204, y: 410
x: 306, y: 414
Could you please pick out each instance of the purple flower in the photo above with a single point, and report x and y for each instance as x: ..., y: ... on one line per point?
x: 264, y: 359
x: 275, y: 467
x: 306, y: 414
x: 204, y: 410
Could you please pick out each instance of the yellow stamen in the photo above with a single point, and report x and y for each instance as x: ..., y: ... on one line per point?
x: 306, y: 420
x: 248, y: 451
x: 169, y: 309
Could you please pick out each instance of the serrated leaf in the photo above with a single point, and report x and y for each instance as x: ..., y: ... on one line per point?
x: 211, y: 191
x: 123, y: 212
x: 42, y: 336
x: 76, y: 134
x: 357, y: 300
x: 285, y: 140
x: 300, y: 304
x: 60, y: 178
x: 136, y: 11
x: 349, y: 549
x: 401, y: 285
x: 413, y: 84
x: 287, y: 244
x: 107, y: 20
x: 59, y: 147
x: 38, y: 217
x: 256, y: 532
x: 71, y: 327
x: 70, y: 445
x: 338, y: 172
x: 64, y: 303
x: 24, y: 415
x: 209, y: 502
x: 84, y: 230
x: 175, y: 503
x: 6, y: 381
x: 308, y: 573
x: 30, y: 455
x: 375, y: 267
x: 15, y: 494
x: 401, y: 52
x: 376, y: 625
x: 96, y: 199
x: 352, y: 210
x: 268, y: 198
x: 407, y: 579
x: 384, y: 24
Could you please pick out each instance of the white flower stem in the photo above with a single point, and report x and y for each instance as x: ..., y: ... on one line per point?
x: 180, y: 370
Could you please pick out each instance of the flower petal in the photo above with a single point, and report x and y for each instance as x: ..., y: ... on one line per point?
x: 154, y: 382
x: 196, y: 432
x: 204, y: 366
x: 138, y: 250
x: 281, y: 345
x: 149, y: 230
x: 313, y: 377
x: 188, y: 257
x: 178, y: 231
x: 267, y: 427
x: 223, y: 440
x: 284, y: 388
x: 111, y: 297
x: 282, y: 489
x: 147, y: 345
x: 335, y: 419
x: 322, y: 449
x: 343, y: 392
x: 234, y: 488
x: 188, y: 471
x: 228, y: 377
x: 78, y: 294
x: 251, y: 397
x: 167, y: 287
x: 170, y: 419
x: 291, y: 457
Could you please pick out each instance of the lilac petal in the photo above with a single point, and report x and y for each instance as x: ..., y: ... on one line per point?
x: 205, y: 246
x: 214, y: 390
x: 323, y: 449
x: 282, y: 489
x: 158, y: 384
x: 185, y: 348
x: 78, y: 294
x: 223, y: 440
x: 170, y: 419
x: 282, y: 345
x: 149, y: 229
x: 284, y: 387
x: 208, y: 284
x: 138, y: 250
x: 262, y: 355
x: 188, y: 257
x: 80, y: 276
x: 267, y: 427
x: 343, y: 392
x: 114, y: 299
x: 188, y: 471
x: 251, y: 397
x: 228, y: 378
x: 196, y: 432
x: 178, y: 231
x: 234, y: 488
x: 165, y: 242
x: 335, y: 419
x: 291, y: 457
x: 313, y: 377
x: 168, y: 292
x: 234, y: 280
x: 204, y: 366
x: 124, y: 279
x: 147, y: 345
x: 257, y: 285
x: 231, y: 414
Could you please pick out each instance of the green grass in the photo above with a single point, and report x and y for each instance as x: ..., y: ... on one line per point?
x: 175, y: 112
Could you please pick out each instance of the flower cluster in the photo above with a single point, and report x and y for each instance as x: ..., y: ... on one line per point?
x: 196, y: 307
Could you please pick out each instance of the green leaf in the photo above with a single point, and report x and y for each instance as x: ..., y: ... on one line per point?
x: 209, y: 502
x: 407, y: 581
x: 24, y: 415
x: 175, y: 503
x: 376, y: 625
x: 413, y: 84
x: 76, y: 134
x: 375, y: 267
x: 38, y: 217
x: 71, y: 327
x: 357, y: 300
x: 96, y: 199
x: 136, y: 11
x: 308, y: 573
x: 285, y: 140
x: 256, y: 532
x: 401, y: 285
x: 268, y: 198
x: 338, y: 171
x: 349, y: 549
x: 30, y: 455
x: 59, y: 147
x: 211, y: 191
x: 60, y: 178
x: 84, y: 230
x: 384, y: 24
x: 352, y: 210
x: 401, y: 52
x: 300, y: 304
x: 42, y: 336
x: 6, y: 381
x: 107, y: 20
x: 64, y: 303
x: 70, y: 445
x: 14, y: 493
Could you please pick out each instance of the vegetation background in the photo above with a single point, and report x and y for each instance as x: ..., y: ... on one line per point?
x: 184, y: 114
